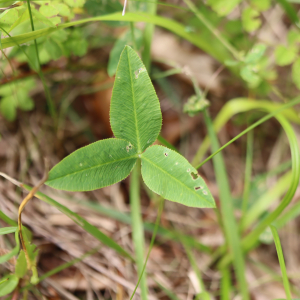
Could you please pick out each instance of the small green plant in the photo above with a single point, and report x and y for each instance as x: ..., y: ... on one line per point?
x: 136, y: 121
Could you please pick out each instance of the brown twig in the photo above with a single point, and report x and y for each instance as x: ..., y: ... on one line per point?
x: 21, y: 208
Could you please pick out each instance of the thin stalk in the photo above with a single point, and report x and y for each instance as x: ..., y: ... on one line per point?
x: 39, y: 71
x: 248, y: 169
x: 213, y: 30
x: 148, y: 34
x: 285, y: 279
x: 137, y: 227
x: 227, y: 211
x: 160, y: 210
x: 225, y: 284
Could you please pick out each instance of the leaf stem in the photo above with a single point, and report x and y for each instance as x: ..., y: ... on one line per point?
x: 137, y: 226
x: 160, y: 209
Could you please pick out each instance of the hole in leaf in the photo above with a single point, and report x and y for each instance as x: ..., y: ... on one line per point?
x: 205, y: 192
x: 194, y: 175
x: 129, y: 147
x: 137, y: 73
x: 188, y: 170
x: 166, y: 154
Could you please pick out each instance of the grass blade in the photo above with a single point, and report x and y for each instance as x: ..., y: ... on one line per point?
x: 227, y: 211
x: 281, y: 262
x: 219, y: 54
x: 94, y: 231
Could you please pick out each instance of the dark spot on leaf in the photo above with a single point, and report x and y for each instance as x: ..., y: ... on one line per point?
x: 166, y: 154
x: 194, y: 175
x: 128, y: 147
x: 197, y: 188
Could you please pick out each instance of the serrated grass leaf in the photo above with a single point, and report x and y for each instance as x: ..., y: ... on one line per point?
x: 95, y: 166
x: 135, y: 114
x: 170, y: 175
x: 13, y: 252
x: 7, y: 230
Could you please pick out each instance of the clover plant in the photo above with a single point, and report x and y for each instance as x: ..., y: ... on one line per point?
x: 136, y: 121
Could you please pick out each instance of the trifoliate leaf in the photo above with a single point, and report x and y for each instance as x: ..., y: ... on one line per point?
x: 285, y: 55
x: 8, y: 17
x: 250, y: 19
x: 255, y: 54
x: 63, y: 9
x: 249, y: 74
x: 48, y: 11
x: 261, y: 5
x: 223, y: 7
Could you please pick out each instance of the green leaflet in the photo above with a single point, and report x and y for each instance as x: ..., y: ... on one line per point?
x: 95, y: 166
x: 250, y: 19
x: 21, y: 266
x: 285, y: 55
x: 135, y: 114
x: 8, y: 284
x: 223, y: 7
x: 170, y: 175
x: 8, y: 17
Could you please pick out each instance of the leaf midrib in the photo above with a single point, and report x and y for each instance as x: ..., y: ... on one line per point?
x: 176, y: 179
x: 133, y: 103
x: 90, y: 168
